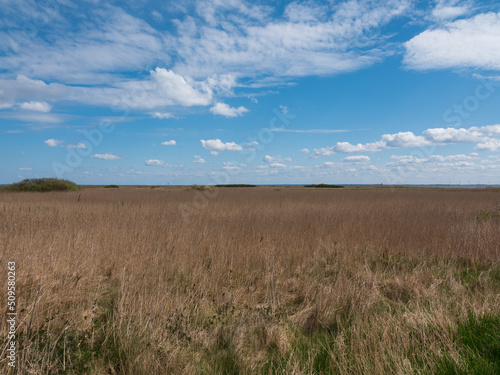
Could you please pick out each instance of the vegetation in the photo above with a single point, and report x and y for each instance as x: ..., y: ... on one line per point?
x: 490, y: 214
x: 324, y: 186
x: 301, y: 282
x: 42, y: 185
x: 236, y: 185
x: 111, y: 186
x: 199, y: 187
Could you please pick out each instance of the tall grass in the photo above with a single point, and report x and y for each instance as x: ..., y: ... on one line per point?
x: 296, y: 281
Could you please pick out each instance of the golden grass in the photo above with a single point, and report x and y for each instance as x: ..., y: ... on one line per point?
x: 256, y: 281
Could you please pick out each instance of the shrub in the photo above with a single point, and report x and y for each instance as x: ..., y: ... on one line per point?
x: 111, y: 186
x: 323, y: 186
x: 42, y: 185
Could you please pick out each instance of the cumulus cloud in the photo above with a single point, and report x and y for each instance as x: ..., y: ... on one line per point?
x: 356, y: 159
x: 486, y: 137
x: 155, y: 163
x: 218, y: 145
x: 36, y: 106
x: 169, y: 143
x: 452, y: 135
x: 214, y: 153
x: 465, y: 43
x: 305, y: 151
x: 490, y: 145
x: 346, y: 147
x: 53, y: 142
x: 224, y: 109
x: 403, y: 139
x: 199, y: 160
x: 106, y: 156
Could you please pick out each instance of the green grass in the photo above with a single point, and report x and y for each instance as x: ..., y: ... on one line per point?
x: 111, y: 186
x: 42, y: 185
x: 478, y: 344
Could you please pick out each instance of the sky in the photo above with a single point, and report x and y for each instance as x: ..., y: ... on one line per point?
x: 261, y: 92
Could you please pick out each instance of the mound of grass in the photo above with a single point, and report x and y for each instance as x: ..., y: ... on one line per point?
x: 42, y: 185
x: 324, y: 186
x: 111, y: 186
x: 199, y: 187
x: 236, y: 185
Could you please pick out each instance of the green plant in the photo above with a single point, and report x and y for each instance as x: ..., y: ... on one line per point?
x: 111, y: 186
x: 485, y: 215
x: 42, y: 185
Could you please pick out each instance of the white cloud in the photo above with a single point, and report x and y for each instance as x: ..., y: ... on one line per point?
x: 162, y: 88
x: 169, y: 143
x: 305, y: 151
x: 36, y: 106
x: 218, y: 145
x: 346, y: 147
x: 490, y: 145
x: 223, y: 109
x: 312, y: 131
x: 306, y: 39
x: 277, y: 165
x: 107, y: 40
x: 449, y: 9
x: 411, y: 159
x: 466, y: 43
x: 214, y: 153
x: 324, y: 151
x: 106, y: 156
x: 25, y: 169
x: 198, y: 159
x: 452, y: 135
x: 328, y: 164
x: 53, y: 142
x: 162, y: 115
x: 404, y: 139
x: 155, y: 163
x: 276, y: 159
x: 356, y: 159
x: 81, y: 146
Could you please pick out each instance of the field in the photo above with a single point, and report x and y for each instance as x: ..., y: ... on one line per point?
x: 253, y: 281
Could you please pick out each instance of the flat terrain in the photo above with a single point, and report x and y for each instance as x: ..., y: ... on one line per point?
x: 254, y: 281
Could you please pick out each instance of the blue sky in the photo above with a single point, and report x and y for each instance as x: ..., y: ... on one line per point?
x: 233, y: 91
